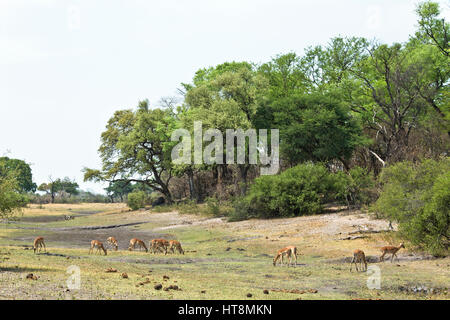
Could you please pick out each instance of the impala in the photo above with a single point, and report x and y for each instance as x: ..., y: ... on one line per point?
x: 159, y: 244
x: 39, y: 242
x: 99, y: 245
x: 358, y: 257
x: 113, y: 242
x: 174, y: 244
x: 289, y: 252
x: 390, y: 249
x: 140, y: 243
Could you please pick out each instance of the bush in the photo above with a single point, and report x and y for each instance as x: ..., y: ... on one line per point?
x: 11, y: 199
x: 418, y: 198
x: 137, y: 200
x: 297, y: 191
x: 355, y: 188
x: 213, y: 206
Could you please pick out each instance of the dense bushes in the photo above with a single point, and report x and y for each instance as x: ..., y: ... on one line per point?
x: 137, y: 200
x: 417, y: 196
x: 301, y: 190
x: 11, y: 197
x: 355, y: 187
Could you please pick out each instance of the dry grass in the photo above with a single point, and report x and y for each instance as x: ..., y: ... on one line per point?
x: 224, y: 260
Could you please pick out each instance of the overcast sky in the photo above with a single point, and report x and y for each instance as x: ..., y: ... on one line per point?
x: 66, y: 66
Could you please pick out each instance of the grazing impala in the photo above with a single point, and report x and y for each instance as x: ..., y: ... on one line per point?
x: 174, y: 244
x: 140, y: 243
x: 113, y: 242
x: 160, y: 245
x: 39, y: 242
x: 289, y: 252
x: 99, y: 245
x: 390, y: 249
x: 358, y: 257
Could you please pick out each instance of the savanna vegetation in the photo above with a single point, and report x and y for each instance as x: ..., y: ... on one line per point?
x: 364, y: 130
x: 349, y: 114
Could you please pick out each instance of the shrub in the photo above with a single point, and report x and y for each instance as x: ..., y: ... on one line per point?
x: 418, y: 198
x: 11, y: 199
x: 355, y: 187
x: 213, y: 206
x: 137, y: 200
x: 297, y: 191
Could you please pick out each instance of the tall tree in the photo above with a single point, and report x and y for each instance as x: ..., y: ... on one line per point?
x: 11, y: 198
x: 224, y: 97
x: 136, y: 148
x: 59, y: 187
x: 433, y: 28
x: 23, y: 172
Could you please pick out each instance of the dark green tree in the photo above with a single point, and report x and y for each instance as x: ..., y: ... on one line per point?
x: 23, y: 173
x: 136, y: 147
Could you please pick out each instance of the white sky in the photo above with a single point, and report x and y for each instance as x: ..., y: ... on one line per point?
x: 66, y: 66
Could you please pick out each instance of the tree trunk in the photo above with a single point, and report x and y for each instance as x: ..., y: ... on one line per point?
x: 243, y: 172
x: 192, y: 192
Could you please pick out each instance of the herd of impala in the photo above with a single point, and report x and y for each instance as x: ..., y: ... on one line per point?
x: 358, y: 256
x: 163, y: 245
x: 156, y: 245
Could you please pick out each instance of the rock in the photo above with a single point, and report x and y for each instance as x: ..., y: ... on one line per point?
x: 249, y: 295
x: 31, y: 276
x: 158, y: 286
x: 166, y: 277
x: 266, y: 291
x: 111, y: 270
x: 124, y: 275
x: 203, y: 291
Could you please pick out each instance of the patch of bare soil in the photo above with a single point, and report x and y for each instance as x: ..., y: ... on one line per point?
x: 175, y: 220
x: 43, y: 219
x: 81, y: 237
x: 331, y: 224
x: 387, y: 258
x: 152, y: 259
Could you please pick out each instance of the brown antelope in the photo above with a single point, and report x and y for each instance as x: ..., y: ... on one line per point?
x: 99, y: 245
x: 113, y: 242
x: 390, y: 249
x: 140, y: 243
x: 289, y: 252
x: 358, y: 257
x: 174, y: 244
x: 159, y: 244
x: 39, y: 242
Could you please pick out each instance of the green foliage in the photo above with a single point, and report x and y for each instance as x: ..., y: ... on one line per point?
x: 23, y: 173
x: 432, y: 27
x: 118, y: 190
x: 284, y: 75
x: 295, y: 192
x: 355, y: 187
x: 136, y: 147
x: 11, y: 200
x: 313, y: 127
x: 213, y: 205
x: 61, y: 188
x: 302, y: 190
x: 137, y: 200
x: 417, y: 197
